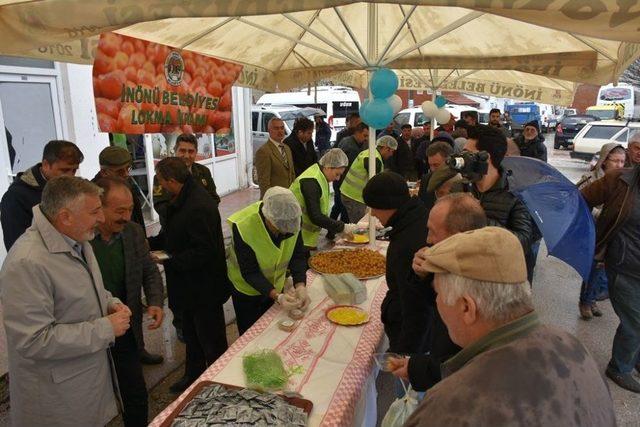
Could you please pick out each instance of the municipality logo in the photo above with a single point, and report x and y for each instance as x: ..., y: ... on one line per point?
x: 174, y: 68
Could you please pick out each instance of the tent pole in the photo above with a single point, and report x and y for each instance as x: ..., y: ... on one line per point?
x: 433, y: 119
x: 372, y: 48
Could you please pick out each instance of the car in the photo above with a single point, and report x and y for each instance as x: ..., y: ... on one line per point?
x: 568, y: 128
x: 594, y: 135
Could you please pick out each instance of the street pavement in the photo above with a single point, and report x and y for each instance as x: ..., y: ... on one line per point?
x: 556, y: 289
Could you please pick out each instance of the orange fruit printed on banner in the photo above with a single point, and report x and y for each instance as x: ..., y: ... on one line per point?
x: 140, y: 86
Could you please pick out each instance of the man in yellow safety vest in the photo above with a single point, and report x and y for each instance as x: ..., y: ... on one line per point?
x: 266, y: 239
x: 358, y: 176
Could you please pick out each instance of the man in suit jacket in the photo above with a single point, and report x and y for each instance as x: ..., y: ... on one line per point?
x: 59, y: 318
x: 121, y: 249
x: 274, y: 161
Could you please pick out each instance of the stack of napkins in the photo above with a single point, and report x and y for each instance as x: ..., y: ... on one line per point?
x: 344, y: 288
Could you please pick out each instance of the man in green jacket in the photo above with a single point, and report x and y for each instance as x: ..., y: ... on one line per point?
x: 512, y: 369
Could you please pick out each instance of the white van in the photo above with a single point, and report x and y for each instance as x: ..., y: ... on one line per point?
x: 261, y: 114
x: 335, y: 101
x: 415, y: 117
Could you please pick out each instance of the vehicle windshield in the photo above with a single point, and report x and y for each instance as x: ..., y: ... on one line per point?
x: 615, y: 94
x: 342, y: 108
x: 603, y: 114
x: 602, y: 132
x: 575, y: 120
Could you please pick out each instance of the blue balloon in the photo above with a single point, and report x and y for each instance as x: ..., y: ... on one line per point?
x: 384, y: 83
x: 377, y: 113
x: 440, y: 101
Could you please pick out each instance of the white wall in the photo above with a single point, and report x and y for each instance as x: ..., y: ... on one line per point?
x: 80, y: 112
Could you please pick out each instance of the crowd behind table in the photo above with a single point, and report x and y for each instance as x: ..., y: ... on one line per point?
x: 460, y: 263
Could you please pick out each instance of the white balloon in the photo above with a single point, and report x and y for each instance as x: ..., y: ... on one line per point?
x: 429, y: 108
x: 396, y: 103
x: 443, y: 116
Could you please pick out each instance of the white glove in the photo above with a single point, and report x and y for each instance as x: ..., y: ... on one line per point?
x: 288, y: 302
x: 303, y: 298
x: 348, y: 230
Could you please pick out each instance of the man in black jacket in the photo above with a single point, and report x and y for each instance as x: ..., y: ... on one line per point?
x: 502, y: 207
x: 196, y: 270
x: 302, y: 151
x: 405, y: 308
x: 452, y: 214
x: 531, y: 143
x: 58, y: 158
x: 402, y: 160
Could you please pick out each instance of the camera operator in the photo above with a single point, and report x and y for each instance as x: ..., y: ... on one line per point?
x: 490, y: 187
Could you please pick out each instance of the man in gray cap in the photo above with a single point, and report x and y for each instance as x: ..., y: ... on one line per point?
x: 116, y: 162
x: 358, y: 176
x: 511, y: 369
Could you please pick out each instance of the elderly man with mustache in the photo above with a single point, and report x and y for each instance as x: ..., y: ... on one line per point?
x: 122, y: 252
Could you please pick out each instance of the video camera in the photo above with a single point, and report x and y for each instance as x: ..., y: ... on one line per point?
x: 472, y: 166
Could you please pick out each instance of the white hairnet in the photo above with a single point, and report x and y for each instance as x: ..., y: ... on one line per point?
x: 281, y: 208
x: 334, y: 158
x: 387, y: 141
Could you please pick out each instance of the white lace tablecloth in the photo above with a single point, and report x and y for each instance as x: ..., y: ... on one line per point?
x: 338, y: 371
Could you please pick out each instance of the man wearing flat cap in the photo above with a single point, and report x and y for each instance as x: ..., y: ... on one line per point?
x: 511, y: 369
x: 116, y: 162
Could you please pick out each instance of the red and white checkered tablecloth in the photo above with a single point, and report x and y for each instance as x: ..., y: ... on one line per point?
x: 336, y: 360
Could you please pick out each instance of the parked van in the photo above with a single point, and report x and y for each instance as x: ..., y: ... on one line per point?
x: 335, y: 101
x: 261, y: 114
x: 415, y: 117
x: 594, y: 135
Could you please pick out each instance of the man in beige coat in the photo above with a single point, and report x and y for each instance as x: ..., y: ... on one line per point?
x: 59, y: 319
x: 274, y: 162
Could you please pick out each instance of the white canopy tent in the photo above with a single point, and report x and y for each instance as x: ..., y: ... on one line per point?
x: 535, y: 50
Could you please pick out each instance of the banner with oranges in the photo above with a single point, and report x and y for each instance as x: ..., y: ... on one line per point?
x: 144, y: 87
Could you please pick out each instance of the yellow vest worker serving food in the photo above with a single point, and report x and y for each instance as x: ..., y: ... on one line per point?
x: 311, y: 189
x: 265, y: 242
x: 358, y: 176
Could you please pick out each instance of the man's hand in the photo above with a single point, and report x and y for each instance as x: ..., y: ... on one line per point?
x: 418, y: 259
x: 118, y: 307
x: 120, y: 322
x: 301, y: 294
x: 155, y: 257
x: 399, y: 367
x: 157, y: 314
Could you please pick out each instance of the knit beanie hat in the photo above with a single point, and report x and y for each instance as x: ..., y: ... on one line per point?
x: 533, y: 123
x: 387, y: 190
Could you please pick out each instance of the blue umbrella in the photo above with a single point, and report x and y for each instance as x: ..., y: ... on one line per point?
x: 558, y: 209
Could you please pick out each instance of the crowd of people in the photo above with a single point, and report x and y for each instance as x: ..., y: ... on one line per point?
x: 460, y: 266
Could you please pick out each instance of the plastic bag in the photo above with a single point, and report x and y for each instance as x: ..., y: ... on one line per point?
x: 264, y: 371
x: 401, y: 409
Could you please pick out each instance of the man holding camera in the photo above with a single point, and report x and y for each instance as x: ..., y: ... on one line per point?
x: 489, y: 185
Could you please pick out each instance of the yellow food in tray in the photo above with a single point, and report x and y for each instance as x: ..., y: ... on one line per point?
x: 360, y: 238
x: 347, y: 315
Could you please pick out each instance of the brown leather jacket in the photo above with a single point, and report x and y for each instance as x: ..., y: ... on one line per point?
x: 615, y: 192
